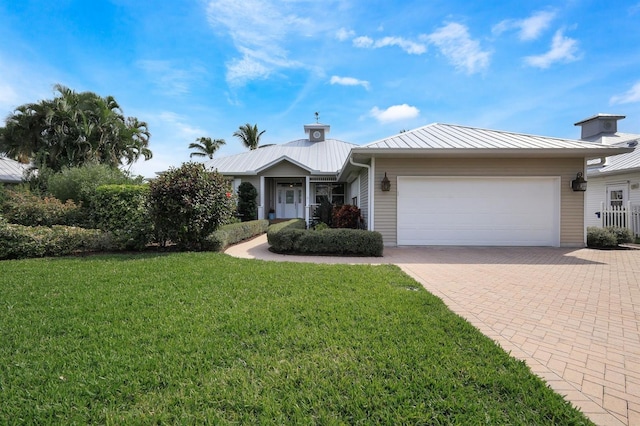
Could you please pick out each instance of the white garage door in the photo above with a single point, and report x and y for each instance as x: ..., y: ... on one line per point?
x: 479, y: 211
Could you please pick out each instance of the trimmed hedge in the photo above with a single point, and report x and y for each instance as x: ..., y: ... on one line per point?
x: 287, y: 238
x: 609, y: 237
x: 234, y: 233
x: 122, y: 210
x: 18, y: 241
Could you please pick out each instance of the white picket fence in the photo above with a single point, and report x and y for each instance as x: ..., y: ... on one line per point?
x: 621, y: 216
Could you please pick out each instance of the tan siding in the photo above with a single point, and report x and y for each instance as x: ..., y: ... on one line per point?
x: 364, y: 194
x: 571, y: 203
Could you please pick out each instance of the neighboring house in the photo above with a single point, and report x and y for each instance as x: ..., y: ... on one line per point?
x: 11, y: 171
x: 613, y: 192
x: 443, y: 184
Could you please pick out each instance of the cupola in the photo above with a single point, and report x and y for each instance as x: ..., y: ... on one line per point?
x: 599, y: 124
x: 317, y: 131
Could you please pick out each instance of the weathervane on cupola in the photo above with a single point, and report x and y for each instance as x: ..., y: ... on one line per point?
x: 316, y: 131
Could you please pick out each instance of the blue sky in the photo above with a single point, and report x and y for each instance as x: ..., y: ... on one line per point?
x: 370, y: 68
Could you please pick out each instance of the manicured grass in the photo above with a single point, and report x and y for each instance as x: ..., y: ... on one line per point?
x: 202, y: 337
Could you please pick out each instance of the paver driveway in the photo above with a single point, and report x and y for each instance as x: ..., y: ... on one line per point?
x: 572, y: 314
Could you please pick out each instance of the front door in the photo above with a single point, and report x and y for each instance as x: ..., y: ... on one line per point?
x: 289, y: 203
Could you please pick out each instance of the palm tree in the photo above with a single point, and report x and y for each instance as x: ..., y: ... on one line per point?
x: 249, y: 135
x: 205, y: 147
x: 73, y: 129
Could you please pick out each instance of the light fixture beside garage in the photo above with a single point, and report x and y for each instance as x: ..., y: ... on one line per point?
x: 385, y: 185
x: 579, y: 184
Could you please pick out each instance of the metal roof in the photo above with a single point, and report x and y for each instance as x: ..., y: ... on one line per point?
x: 11, y: 171
x: 439, y: 137
x: 316, y: 157
x: 622, y: 163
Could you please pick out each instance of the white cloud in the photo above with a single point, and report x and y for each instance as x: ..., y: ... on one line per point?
x: 408, y: 46
x: 363, y: 41
x: 459, y: 48
x: 529, y: 28
x: 395, y: 113
x: 563, y: 49
x: 349, y: 81
x: 630, y: 96
x: 259, y: 29
x: 343, y: 34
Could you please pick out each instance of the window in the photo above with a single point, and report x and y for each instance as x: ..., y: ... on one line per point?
x: 332, y: 192
x: 616, y: 198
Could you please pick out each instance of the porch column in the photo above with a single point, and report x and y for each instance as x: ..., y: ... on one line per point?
x: 261, y: 206
x: 307, y: 205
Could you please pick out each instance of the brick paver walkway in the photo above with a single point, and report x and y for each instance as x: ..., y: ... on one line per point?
x: 572, y: 315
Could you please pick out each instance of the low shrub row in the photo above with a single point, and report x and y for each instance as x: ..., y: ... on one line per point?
x: 288, y: 238
x: 18, y: 241
x: 234, y: 233
x: 26, y: 209
x: 609, y: 237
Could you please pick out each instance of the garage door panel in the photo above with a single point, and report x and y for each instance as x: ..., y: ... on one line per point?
x: 478, y: 211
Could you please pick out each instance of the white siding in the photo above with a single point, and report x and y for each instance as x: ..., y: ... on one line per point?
x: 597, y: 193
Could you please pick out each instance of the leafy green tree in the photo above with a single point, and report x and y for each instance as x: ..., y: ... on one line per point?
x: 249, y: 135
x: 189, y: 203
x: 79, y: 183
x: 74, y: 129
x: 247, y: 201
x: 205, y: 147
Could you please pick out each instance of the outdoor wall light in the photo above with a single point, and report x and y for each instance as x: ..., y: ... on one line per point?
x: 579, y: 184
x: 386, y: 183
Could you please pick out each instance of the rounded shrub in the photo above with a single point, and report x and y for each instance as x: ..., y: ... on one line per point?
x: 601, y: 238
x: 188, y: 203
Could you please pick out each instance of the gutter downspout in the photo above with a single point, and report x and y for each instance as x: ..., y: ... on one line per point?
x: 370, y: 190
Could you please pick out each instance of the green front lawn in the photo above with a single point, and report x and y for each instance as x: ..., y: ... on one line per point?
x: 202, y: 337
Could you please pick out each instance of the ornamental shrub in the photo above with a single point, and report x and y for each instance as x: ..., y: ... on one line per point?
x: 188, y: 203
x: 122, y: 210
x: 623, y: 235
x: 346, y: 216
x: 247, y: 202
x: 608, y: 237
x: 25, y: 208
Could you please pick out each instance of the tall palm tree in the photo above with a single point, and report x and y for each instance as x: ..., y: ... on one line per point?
x: 205, y: 147
x: 249, y: 135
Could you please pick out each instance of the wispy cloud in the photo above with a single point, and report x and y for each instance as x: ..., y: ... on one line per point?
x: 455, y: 43
x: 529, y: 28
x: 259, y: 30
x: 563, y: 49
x: 394, y: 113
x: 411, y: 47
x: 630, y: 96
x: 171, y: 80
x: 344, y: 34
x: 349, y: 81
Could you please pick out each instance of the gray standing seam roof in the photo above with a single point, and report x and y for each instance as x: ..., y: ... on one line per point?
x: 448, y: 136
x: 317, y: 157
x: 11, y: 171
